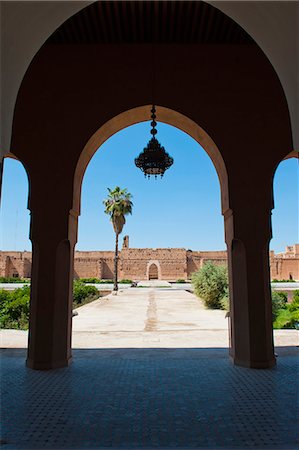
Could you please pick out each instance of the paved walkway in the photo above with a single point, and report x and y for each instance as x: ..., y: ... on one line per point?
x: 148, y: 318
x: 144, y: 317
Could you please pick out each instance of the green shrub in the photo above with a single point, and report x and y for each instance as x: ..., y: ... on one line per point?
x: 88, y: 280
x: 180, y: 280
x: 125, y: 281
x: 211, y: 284
x: 279, y: 301
x: 289, y: 316
x: 282, y: 319
x: 14, y: 308
x: 283, y: 281
x: 286, y: 319
x: 225, y: 303
x: 14, y: 305
x: 14, y: 280
x: 95, y: 280
x: 294, y: 305
x: 83, y: 293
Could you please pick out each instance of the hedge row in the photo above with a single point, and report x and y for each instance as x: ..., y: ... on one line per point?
x: 14, y: 305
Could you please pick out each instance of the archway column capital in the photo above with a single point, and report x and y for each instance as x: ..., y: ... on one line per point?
x: 248, y: 224
x: 55, y: 225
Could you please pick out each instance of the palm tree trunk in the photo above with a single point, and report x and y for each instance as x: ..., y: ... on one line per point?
x: 115, y: 288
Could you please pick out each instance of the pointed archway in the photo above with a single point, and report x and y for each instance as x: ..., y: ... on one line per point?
x: 74, y: 97
x: 153, y: 272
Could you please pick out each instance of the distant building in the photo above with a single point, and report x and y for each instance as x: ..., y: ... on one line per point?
x: 148, y: 263
x: 285, y: 266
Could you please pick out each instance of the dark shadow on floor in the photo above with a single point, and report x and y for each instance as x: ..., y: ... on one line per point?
x: 150, y: 398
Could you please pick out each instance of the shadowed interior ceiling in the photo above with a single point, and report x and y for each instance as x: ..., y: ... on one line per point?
x: 150, y: 21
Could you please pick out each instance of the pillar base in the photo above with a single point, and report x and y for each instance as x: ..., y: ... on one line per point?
x: 42, y: 365
x: 254, y: 364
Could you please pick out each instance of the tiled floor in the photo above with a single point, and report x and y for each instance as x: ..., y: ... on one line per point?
x: 149, y: 398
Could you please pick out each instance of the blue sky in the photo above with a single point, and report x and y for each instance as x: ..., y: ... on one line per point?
x: 181, y: 210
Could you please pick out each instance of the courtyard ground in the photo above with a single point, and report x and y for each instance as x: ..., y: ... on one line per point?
x: 148, y: 318
x: 150, y: 371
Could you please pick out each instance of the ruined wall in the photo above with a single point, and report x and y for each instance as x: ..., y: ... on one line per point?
x: 4, y: 259
x: 195, y: 260
x: 289, y: 269
x: 94, y: 264
x: 285, y: 266
x: 108, y: 269
x: 291, y: 251
x: 27, y: 268
x: 95, y: 255
x: 15, y: 264
x: 87, y: 267
x: 134, y: 263
x: 194, y: 263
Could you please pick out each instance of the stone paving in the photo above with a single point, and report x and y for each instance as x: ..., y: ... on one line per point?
x: 160, y: 395
x: 149, y: 398
x: 147, y: 318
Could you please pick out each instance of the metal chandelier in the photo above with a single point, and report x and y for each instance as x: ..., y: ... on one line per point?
x: 153, y: 160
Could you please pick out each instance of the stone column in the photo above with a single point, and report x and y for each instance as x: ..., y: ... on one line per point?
x: 53, y: 234
x: 248, y: 232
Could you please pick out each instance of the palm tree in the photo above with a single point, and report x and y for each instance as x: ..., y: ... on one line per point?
x: 117, y: 205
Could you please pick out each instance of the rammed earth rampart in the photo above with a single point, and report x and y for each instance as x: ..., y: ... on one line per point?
x: 144, y: 263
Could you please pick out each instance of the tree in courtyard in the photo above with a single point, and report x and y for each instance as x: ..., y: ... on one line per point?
x: 117, y: 205
x: 211, y: 284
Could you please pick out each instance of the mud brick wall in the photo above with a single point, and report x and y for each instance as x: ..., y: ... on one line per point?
x: 87, y: 267
x: 136, y: 263
x: 4, y: 260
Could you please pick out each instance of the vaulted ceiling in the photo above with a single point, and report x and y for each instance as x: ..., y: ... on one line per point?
x: 144, y: 21
x: 27, y: 25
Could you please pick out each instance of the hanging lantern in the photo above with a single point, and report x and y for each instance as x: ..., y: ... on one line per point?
x: 153, y: 160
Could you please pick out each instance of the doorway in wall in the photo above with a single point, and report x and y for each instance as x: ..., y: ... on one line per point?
x: 153, y: 272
